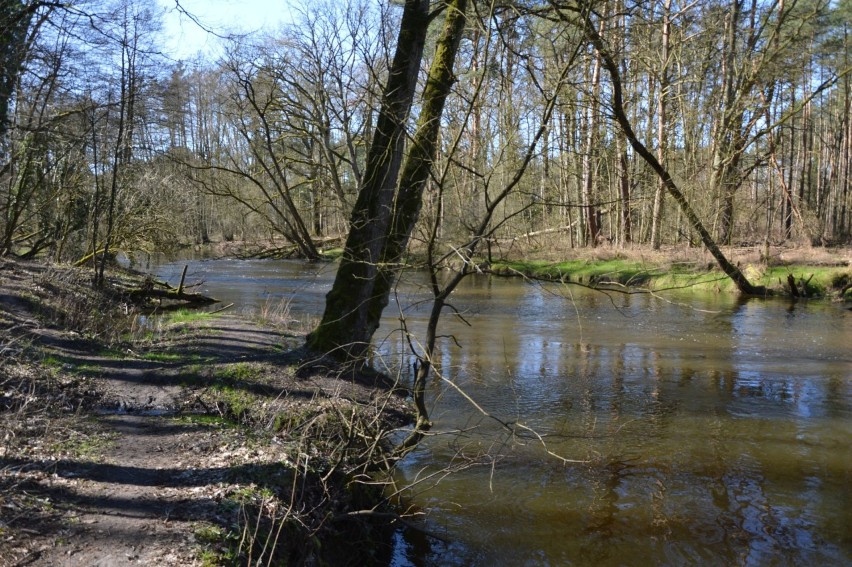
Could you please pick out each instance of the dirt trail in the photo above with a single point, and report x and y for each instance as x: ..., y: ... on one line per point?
x: 138, y: 500
x: 132, y: 506
x: 147, y: 455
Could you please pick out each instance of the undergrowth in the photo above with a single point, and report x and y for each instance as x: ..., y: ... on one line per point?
x: 278, y: 314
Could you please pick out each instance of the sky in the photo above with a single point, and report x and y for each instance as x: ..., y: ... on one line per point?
x: 186, y: 38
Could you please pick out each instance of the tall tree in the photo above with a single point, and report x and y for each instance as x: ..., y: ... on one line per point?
x: 15, y: 19
x: 386, y: 210
x: 590, y: 235
x: 585, y: 19
x: 662, y: 121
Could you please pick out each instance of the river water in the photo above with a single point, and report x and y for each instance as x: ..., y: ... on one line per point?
x: 574, y: 427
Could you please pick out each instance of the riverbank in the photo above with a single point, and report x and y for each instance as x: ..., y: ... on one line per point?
x: 181, y: 439
x: 815, y: 272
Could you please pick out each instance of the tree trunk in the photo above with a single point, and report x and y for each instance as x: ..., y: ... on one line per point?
x: 384, y: 215
x: 592, y: 226
x: 419, y: 162
x: 17, y: 17
x: 662, y: 128
x: 624, y: 190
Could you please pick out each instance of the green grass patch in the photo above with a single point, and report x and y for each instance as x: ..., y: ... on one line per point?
x: 112, y: 353
x: 163, y: 357
x: 89, y: 370
x: 332, y: 253
x: 229, y: 394
x: 239, y: 371
x: 52, y: 361
x: 712, y: 280
x: 219, y: 547
x: 85, y: 446
x: 185, y: 316
x: 71, y: 365
x: 234, y: 403
x: 811, y: 281
x: 619, y: 271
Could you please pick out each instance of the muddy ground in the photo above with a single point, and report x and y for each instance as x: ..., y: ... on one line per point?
x: 214, y: 440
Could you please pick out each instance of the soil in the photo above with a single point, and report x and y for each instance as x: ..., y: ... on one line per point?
x: 197, y: 443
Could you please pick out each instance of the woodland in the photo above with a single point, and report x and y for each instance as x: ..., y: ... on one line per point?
x: 600, y: 123
x: 436, y: 134
x: 108, y: 143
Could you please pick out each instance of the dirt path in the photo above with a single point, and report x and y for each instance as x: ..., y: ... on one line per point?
x: 160, y: 455
x: 136, y: 505
x: 153, y: 477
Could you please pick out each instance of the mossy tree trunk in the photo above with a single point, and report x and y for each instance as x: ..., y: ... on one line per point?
x: 14, y: 24
x: 386, y: 211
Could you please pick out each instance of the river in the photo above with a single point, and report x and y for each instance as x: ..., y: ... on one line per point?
x: 574, y: 427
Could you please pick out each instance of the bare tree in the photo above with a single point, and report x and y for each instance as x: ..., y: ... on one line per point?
x: 584, y: 18
x: 449, y: 263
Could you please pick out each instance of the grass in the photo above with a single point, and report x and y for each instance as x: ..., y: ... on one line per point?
x: 151, y: 329
x: 614, y: 270
x: 112, y: 353
x: 85, y: 446
x: 88, y: 369
x: 276, y: 313
x: 332, y: 253
x: 186, y: 316
x: 53, y: 361
x: 218, y: 546
x: 233, y: 402
x: 812, y: 281
x: 58, y: 363
x: 239, y: 371
x: 163, y: 357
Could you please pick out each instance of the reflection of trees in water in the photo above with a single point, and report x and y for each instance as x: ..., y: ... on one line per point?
x: 696, y: 442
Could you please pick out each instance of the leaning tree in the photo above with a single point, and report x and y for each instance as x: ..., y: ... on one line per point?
x: 390, y: 196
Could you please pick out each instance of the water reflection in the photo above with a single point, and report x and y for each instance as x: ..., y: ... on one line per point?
x: 707, y: 433
x: 698, y: 429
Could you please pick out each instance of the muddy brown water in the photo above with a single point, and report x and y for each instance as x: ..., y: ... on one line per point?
x: 610, y: 429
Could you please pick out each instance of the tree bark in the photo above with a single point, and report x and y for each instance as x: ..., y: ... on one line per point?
x: 385, y: 213
x: 419, y: 162
x: 13, y: 34
x: 591, y: 213
x: 662, y: 127
x: 347, y: 325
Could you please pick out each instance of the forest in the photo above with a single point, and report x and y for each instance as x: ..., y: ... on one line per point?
x: 109, y: 144
x: 403, y: 154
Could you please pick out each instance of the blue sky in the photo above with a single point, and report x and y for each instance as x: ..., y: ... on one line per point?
x: 186, y: 38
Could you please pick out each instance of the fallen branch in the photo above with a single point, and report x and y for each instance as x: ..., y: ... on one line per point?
x: 156, y: 289
x: 172, y: 295
x: 538, y: 233
x: 228, y: 306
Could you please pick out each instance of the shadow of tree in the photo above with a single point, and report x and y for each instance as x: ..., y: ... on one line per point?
x: 266, y: 475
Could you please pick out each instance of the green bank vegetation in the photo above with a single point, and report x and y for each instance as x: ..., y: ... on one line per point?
x: 810, y: 280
